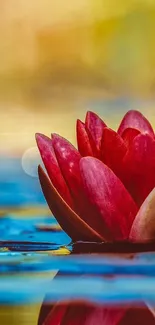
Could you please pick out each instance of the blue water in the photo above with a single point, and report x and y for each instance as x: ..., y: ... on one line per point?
x: 16, y: 187
x: 27, y: 251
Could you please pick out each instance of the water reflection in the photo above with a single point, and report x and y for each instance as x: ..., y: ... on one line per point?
x: 32, y: 273
x: 107, y: 279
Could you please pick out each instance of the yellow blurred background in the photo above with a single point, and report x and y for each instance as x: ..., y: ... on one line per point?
x: 59, y: 56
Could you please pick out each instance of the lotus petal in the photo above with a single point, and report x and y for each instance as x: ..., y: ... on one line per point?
x: 94, y: 127
x: 69, y: 158
x: 135, y: 119
x: 143, y: 228
x: 116, y: 208
x: 83, y: 142
x: 49, y: 159
x: 139, y: 167
x: 128, y: 135
x: 113, y: 149
x: 70, y: 222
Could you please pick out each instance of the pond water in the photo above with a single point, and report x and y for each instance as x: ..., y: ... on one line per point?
x: 38, y: 260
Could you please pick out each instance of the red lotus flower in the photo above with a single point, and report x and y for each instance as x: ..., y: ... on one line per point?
x: 103, y: 191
